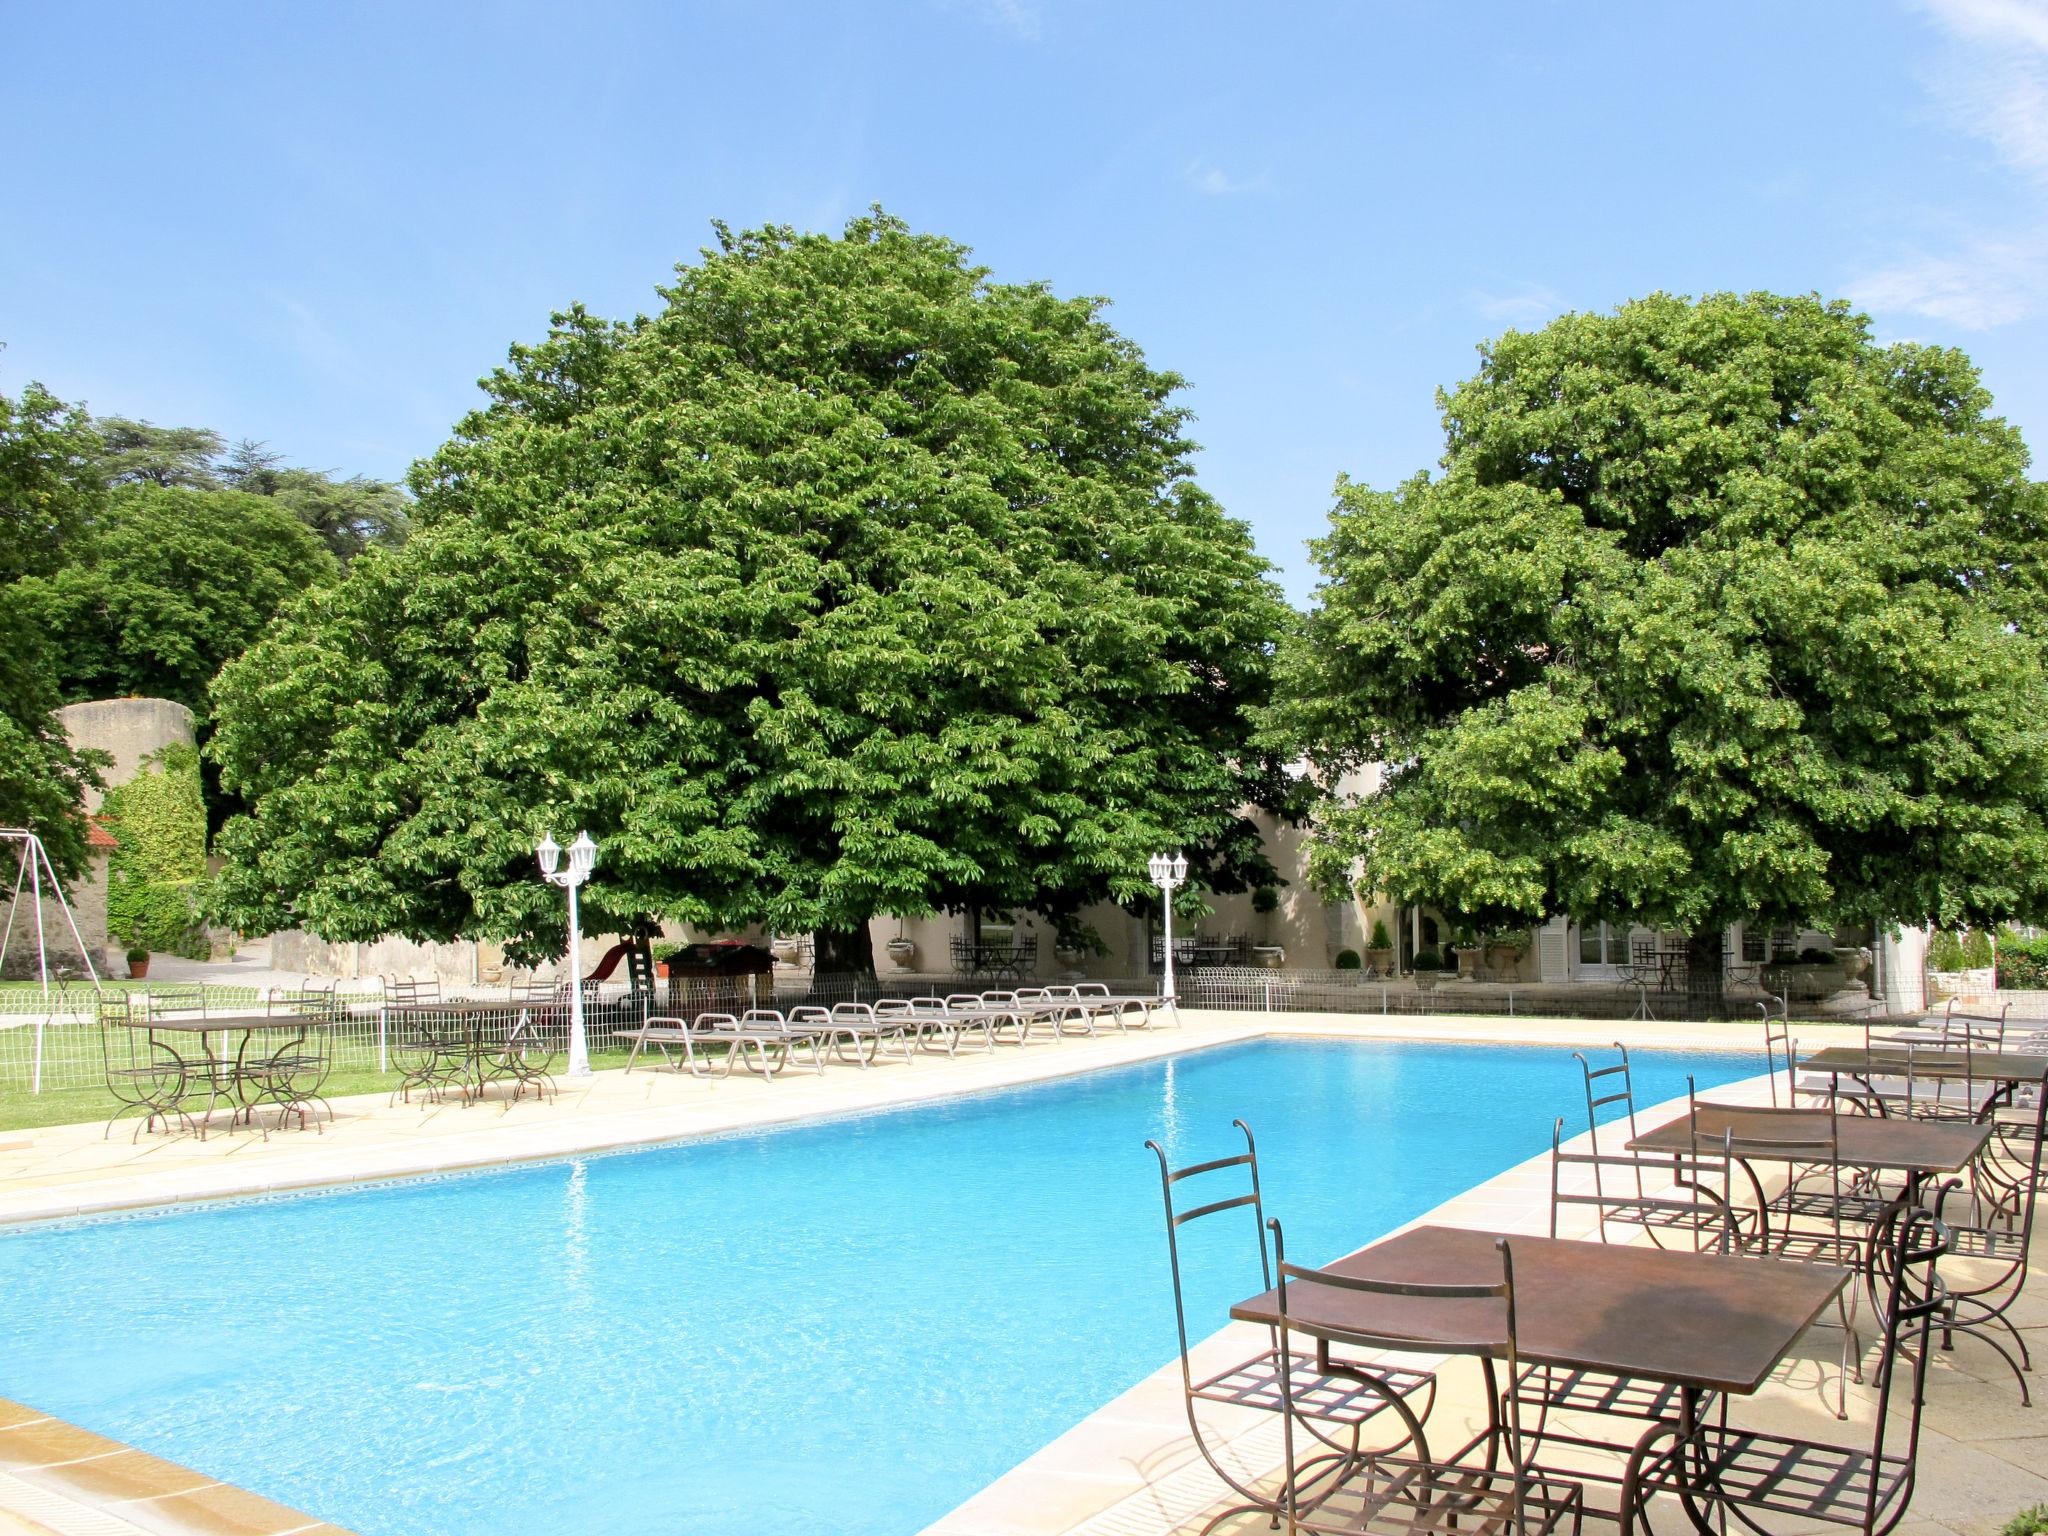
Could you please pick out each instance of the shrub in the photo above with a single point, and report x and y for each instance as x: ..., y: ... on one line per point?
x: 1347, y: 960
x: 1816, y: 957
x: 2032, y: 1521
x: 156, y: 875
x: 1966, y: 949
x: 1426, y: 960
x: 1380, y: 940
x: 137, y: 954
x: 1265, y: 899
x: 2023, y: 962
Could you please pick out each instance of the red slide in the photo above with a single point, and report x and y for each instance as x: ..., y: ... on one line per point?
x: 611, y: 960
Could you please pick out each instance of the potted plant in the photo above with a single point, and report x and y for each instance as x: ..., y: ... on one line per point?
x: 1504, y: 949
x: 902, y: 952
x: 1465, y: 945
x: 138, y: 962
x: 1427, y: 966
x: 1381, y: 950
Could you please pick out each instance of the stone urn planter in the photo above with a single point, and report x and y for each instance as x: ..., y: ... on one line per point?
x: 1855, y: 964
x: 1468, y: 960
x: 787, y: 950
x: 1501, y: 959
x: 1381, y: 960
x: 1271, y: 956
x: 1426, y: 977
x: 902, y: 953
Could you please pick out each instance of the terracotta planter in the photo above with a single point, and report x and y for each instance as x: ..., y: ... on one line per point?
x: 137, y: 969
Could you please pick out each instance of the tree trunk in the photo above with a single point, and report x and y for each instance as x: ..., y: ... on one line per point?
x: 1703, y: 974
x: 843, y: 951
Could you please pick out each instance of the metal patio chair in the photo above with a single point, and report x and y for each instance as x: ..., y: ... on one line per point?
x: 1736, y: 1470
x: 408, y: 990
x: 522, y: 1046
x: 289, y: 1074
x: 1815, y: 1218
x: 1335, y: 1401
x: 429, y: 1048
x: 144, y: 1074
x: 1993, y: 1242
x: 1975, y: 1024
x: 1388, y: 1495
x: 1683, y: 1203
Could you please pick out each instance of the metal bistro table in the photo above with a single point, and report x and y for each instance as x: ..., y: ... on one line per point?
x: 1702, y: 1323
x: 2009, y: 1070
x: 231, y: 1077
x: 471, y: 1043
x: 1919, y: 1149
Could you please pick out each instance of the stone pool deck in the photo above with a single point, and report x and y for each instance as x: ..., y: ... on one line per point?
x: 1125, y: 1470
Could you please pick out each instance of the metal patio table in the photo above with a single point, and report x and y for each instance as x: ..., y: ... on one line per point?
x: 1919, y: 1149
x: 222, y: 1074
x: 515, y: 1049
x: 2010, y: 1070
x: 1702, y: 1323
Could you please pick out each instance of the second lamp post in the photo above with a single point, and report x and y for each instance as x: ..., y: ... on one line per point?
x: 582, y: 859
x: 1169, y: 873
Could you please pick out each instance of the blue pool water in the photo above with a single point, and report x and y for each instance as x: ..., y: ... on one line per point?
x: 862, y: 1320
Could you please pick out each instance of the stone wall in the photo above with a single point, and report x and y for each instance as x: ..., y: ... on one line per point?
x: 130, y: 729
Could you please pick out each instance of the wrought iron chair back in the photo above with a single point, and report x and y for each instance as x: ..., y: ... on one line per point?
x: 1491, y: 1340
x: 1779, y: 1046
x: 166, y: 998
x: 1249, y: 1197
x: 1688, y: 1198
x: 1612, y: 1084
x: 412, y: 989
x: 1977, y: 1025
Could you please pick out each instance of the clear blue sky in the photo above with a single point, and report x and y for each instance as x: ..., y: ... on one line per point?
x: 318, y: 225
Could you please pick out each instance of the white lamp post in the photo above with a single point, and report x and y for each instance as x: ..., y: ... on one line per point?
x: 582, y: 859
x: 1169, y: 873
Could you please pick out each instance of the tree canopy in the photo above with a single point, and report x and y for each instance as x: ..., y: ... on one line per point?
x: 165, y: 585
x: 136, y: 559
x: 849, y: 583
x: 1715, y: 610
x: 46, y: 496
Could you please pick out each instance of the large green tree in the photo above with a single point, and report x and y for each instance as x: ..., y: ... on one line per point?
x: 851, y: 582
x: 47, y: 496
x: 1714, y: 611
x: 349, y: 515
x: 165, y: 585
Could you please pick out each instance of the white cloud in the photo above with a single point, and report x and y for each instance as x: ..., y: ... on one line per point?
x: 1019, y: 18
x: 1528, y: 304
x: 1992, y: 84
x: 1216, y: 182
x: 1993, y: 282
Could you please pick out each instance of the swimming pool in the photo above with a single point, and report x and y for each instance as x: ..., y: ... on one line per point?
x: 853, y: 1323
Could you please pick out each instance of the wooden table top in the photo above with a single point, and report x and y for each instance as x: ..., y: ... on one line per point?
x: 1697, y: 1320
x: 1861, y: 1141
x: 1935, y: 1061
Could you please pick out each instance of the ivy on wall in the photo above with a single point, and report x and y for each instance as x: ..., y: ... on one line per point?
x: 156, y: 878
